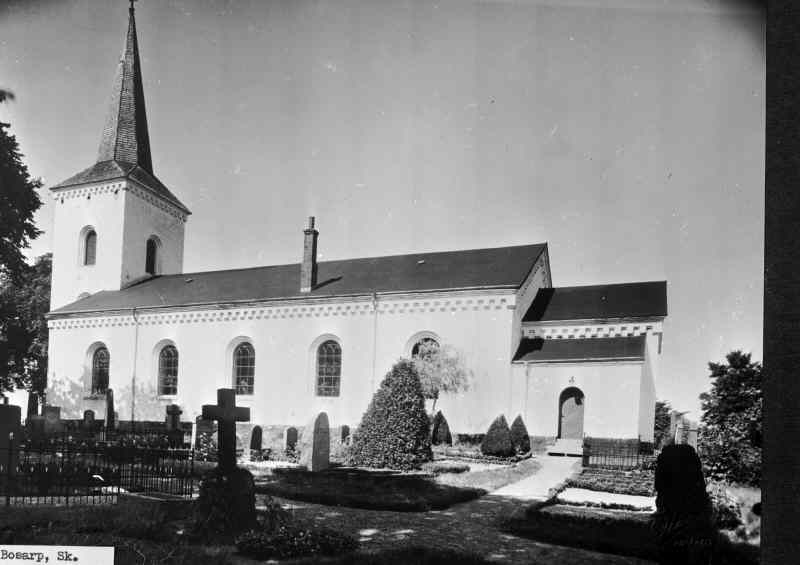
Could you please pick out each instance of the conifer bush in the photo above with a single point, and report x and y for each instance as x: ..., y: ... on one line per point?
x: 497, y: 441
x: 395, y: 430
x: 440, y: 434
x: 519, y: 436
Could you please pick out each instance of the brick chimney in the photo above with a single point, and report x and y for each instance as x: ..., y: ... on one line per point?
x: 308, y: 268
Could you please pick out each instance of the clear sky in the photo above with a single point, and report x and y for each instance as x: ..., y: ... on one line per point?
x: 628, y: 134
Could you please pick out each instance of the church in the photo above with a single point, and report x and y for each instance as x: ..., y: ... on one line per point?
x: 297, y: 339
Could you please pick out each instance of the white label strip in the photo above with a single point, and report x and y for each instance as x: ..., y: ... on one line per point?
x: 29, y: 554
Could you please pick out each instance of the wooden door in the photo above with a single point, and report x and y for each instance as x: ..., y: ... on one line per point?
x: 570, y: 424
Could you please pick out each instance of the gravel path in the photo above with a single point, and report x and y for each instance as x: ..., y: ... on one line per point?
x: 470, y: 527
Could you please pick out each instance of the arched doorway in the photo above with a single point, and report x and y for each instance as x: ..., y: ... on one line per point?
x: 570, y: 414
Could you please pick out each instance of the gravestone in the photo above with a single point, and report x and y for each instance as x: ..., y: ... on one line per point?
x: 291, y: 439
x: 683, y: 519
x: 111, y: 416
x: 87, y: 424
x: 173, y: 425
x: 52, y: 420
x: 345, y: 435
x: 10, y: 435
x: 35, y: 425
x: 315, y: 444
x: 256, y: 439
x: 226, y: 413
x: 226, y: 505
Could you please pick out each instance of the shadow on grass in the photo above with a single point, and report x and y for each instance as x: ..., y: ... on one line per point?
x: 389, y: 490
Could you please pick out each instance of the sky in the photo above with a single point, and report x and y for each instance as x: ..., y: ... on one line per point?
x: 627, y: 134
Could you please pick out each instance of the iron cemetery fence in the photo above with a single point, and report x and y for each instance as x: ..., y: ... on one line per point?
x: 617, y: 454
x: 66, y: 470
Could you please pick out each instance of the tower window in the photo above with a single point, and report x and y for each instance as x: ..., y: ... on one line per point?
x: 100, y: 371
x: 150, y: 263
x: 168, y: 371
x: 90, y: 248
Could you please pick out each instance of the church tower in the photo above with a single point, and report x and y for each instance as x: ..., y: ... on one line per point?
x: 115, y: 223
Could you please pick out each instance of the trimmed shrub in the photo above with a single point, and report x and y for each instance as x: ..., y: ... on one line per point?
x: 497, y: 441
x: 440, y: 433
x: 394, y: 431
x: 519, y: 436
x: 440, y: 467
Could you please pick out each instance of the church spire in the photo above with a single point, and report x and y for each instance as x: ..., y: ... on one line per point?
x: 125, y: 138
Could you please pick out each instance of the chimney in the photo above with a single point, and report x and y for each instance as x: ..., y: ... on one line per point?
x: 308, y: 268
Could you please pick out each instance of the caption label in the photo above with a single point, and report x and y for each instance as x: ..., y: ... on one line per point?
x: 27, y: 554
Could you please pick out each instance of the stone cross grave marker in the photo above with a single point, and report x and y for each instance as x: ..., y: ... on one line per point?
x: 226, y: 413
x: 316, y: 444
x: 173, y: 417
x: 10, y: 435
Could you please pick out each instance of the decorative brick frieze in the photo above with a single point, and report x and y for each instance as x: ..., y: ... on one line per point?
x: 93, y: 190
x: 230, y: 314
x: 591, y: 330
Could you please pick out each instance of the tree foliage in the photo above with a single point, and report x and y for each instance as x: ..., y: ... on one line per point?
x: 730, y: 436
x: 395, y: 430
x: 440, y: 430
x: 661, y: 427
x: 18, y: 202
x: 442, y: 369
x: 23, y: 328
x: 520, y: 438
x: 497, y: 441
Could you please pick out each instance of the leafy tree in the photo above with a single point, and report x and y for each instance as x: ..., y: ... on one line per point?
x: 730, y: 435
x: 23, y: 328
x: 441, y: 369
x: 18, y: 202
x: 661, y: 428
x: 395, y: 430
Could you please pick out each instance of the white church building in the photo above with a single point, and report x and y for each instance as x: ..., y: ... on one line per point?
x: 294, y: 340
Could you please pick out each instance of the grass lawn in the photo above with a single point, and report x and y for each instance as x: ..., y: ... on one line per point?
x: 404, y: 492
x: 142, y: 542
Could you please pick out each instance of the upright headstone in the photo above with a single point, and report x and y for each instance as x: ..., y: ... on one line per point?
x: 345, y: 434
x: 10, y: 435
x: 226, y: 413
x: 52, y: 420
x: 172, y: 423
x: 256, y: 439
x: 88, y: 421
x: 111, y: 415
x: 291, y: 438
x: 315, y: 444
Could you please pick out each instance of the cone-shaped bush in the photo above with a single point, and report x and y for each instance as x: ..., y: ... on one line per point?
x: 519, y: 436
x: 395, y: 430
x: 440, y: 434
x: 497, y: 440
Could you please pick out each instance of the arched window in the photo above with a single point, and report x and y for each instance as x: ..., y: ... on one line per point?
x: 90, y: 248
x: 329, y: 368
x: 244, y: 368
x: 426, y: 345
x: 100, y: 360
x: 168, y: 371
x: 150, y: 263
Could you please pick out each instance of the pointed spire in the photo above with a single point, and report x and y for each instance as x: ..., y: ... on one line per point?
x: 125, y: 136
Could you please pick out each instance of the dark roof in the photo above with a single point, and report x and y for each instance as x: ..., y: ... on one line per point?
x: 502, y: 267
x: 538, y: 350
x: 124, y: 150
x: 628, y: 300
x: 110, y: 170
